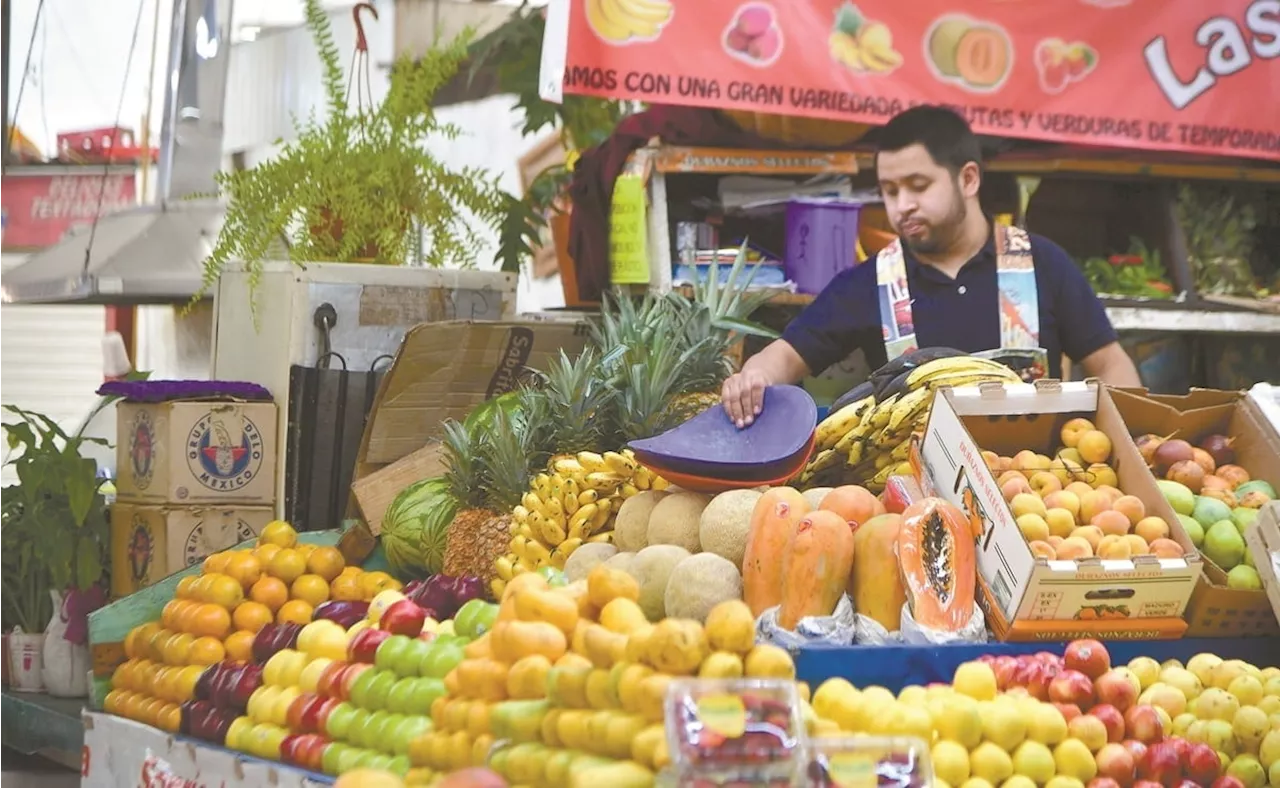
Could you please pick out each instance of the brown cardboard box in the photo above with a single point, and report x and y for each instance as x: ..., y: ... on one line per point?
x: 149, y: 543
x: 1215, y: 610
x: 1264, y: 542
x: 195, y: 452
x: 1030, y: 598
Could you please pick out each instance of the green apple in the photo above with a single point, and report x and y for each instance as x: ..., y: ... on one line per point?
x: 380, y: 762
x: 440, y: 659
x: 383, y: 730
x: 358, y: 723
x: 366, y: 759
x: 406, y: 664
x: 359, y: 694
x: 360, y: 734
x: 425, y: 691
x: 399, y: 765
x: 380, y: 690
x: 475, y: 618
x: 349, y: 759
x: 332, y: 757
x: 338, y: 723
x: 390, y: 652
x: 401, y: 695
x: 413, y: 726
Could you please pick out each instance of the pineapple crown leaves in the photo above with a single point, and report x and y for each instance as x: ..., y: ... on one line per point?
x: 359, y: 180
x: 578, y: 400
x: 463, y: 468
x: 731, y: 303
x: 507, y: 452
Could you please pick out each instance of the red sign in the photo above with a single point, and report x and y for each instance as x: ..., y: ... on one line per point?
x: 1180, y: 75
x: 39, y: 208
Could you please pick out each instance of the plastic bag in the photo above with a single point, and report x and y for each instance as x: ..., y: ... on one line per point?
x: 836, y: 629
x: 900, y: 492
x: 65, y: 665
x: 889, y: 762
x: 734, y: 731
x: 973, y: 632
x: 873, y: 633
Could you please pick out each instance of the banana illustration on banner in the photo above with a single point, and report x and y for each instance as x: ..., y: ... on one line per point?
x: 625, y: 21
x: 862, y: 45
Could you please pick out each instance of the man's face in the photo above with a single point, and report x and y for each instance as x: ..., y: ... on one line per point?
x: 925, y: 202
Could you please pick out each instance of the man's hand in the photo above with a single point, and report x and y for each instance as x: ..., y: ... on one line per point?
x: 743, y: 395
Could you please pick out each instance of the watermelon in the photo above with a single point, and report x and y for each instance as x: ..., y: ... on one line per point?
x: 415, y: 527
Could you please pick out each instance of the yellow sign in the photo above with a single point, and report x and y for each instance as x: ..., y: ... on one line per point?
x: 852, y: 770
x: 628, y: 253
x: 723, y: 714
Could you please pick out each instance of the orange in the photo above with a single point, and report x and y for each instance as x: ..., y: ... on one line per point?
x: 185, y: 686
x: 251, y: 616
x: 169, y: 617
x: 239, y: 644
x: 183, y: 591
x: 326, y: 562
x: 160, y: 686
x: 346, y: 588
x: 371, y: 583
x: 305, y: 548
x: 245, y: 568
x: 199, y: 589
x: 211, y: 621
x: 295, y: 611
x: 351, y: 570
x: 265, y: 552
x: 216, y: 564
x: 149, y: 710
x: 311, y: 589
x: 131, y: 705
x: 177, y: 648
x: 280, y: 533
x: 122, y: 676
x: 207, y: 651
x: 223, y: 590
x: 270, y: 591
x: 111, y: 703
x: 155, y: 646
x: 288, y: 565
x: 170, y: 718
x: 135, y: 642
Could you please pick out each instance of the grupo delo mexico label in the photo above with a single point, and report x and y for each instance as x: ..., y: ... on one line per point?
x: 224, y: 451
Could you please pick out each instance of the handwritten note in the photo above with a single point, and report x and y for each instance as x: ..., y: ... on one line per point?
x: 628, y: 252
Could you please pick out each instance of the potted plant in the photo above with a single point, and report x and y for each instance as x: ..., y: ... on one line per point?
x: 54, y: 536
x: 359, y: 184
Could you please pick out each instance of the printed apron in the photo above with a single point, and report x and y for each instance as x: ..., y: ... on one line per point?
x: 1019, y: 308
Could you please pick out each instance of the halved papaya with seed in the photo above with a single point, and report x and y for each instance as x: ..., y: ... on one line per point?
x: 936, y: 555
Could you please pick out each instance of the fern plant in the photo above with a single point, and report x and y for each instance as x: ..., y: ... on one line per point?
x: 359, y: 185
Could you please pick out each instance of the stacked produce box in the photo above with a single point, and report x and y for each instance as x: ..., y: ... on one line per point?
x: 194, y: 477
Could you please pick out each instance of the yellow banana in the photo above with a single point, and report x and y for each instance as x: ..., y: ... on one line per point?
x: 568, y: 467
x: 553, y: 532
x: 517, y: 546
x: 841, y: 422
x: 524, y: 565
x: 855, y: 453
x: 643, y: 479
x: 591, y: 462
x: 851, y: 437
x: 902, y: 451
x: 605, y: 506
x: 553, y: 508
x: 659, y: 483
x: 884, y: 460
x: 879, y: 416
x: 943, y: 366
x: 496, y: 586
x: 532, y: 503
x: 563, y: 551
x: 628, y: 490
x: 600, y: 522
x: 909, y: 407
x: 570, y: 496
x: 588, y: 496
x: 525, y: 531
x: 623, y: 466
x: 538, y: 553
x: 504, y: 568
x: 556, y: 488
x: 520, y: 513
x: 536, y: 523
x: 581, y: 521
x: 602, y: 481
x: 825, y: 459
x: 542, y: 485
x: 606, y: 537
x: 971, y: 378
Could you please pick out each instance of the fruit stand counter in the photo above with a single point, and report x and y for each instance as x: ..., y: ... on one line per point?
x: 894, y: 667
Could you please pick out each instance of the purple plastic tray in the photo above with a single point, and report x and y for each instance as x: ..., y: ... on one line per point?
x: 168, y: 390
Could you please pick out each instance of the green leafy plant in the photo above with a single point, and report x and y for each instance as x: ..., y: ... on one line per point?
x: 360, y: 185
x: 54, y: 533
x: 1139, y: 273
x: 1220, y: 239
x: 514, y: 52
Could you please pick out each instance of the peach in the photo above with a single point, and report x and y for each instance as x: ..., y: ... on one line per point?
x: 1234, y: 475
x: 1054, y: 541
x: 1111, y: 522
x: 1064, y: 499
x: 1101, y: 475
x: 1073, y: 455
x: 1033, y: 527
x: 1027, y: 503
x: 1212, y: 482
x: 1074, y: 430
x: 1130, y: 506
x: 1044, y: 483
x: 1027, y: 460
x: 1043, y: 550
x: 1079, y: 489
x: 1114, y: 548
x: 1166, y: 548
x: 1093, y: 504
x: 992, y: 460
x: 1090, y: 730
x: 1151, y: 528
x: 1061, y: 522
x: 1016, y: 485
x: 1090, y: 533
x: 1094, y: 446
x: 1010, y: 475
x: 1074, y: 547
x: 1137, y: 544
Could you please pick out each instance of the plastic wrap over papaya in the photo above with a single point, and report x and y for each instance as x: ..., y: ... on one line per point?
x: 837, y: 629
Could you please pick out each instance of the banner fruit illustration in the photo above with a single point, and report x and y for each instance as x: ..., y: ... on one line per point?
x: 861, y: 44
x: 623, y: 21
x: 754, y: 36
x: 976, y: 55
x: 1059, y: 63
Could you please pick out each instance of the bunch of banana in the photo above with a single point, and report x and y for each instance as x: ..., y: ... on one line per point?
x: 617, y: 21
x: 869, y: 48
x: 866, y: 442
x: 574, y: 502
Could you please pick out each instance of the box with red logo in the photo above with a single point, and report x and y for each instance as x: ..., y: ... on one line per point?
x: 151, y: 542
x: 196, y: 452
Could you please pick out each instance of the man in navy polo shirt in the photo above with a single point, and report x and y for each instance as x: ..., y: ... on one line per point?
x: 929, y: 167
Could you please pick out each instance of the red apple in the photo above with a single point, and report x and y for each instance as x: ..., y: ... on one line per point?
x: 1136, y: 748
x: 1182, y: 747
x: 1143, y: 724
x: 1069, y: 711
x: 1116, y: 689
x: 293, y: 717
x: 1227, y: 781
x: 1031, y: 675
x: 350, y: 675
x: 1161, y: 764
x: 1202, y: 764
x: 310, y: 751
x: 1087, y: 656
x: 1185, y: 783
x: 365, y: 644
x: 246, y: 684
x: 1103, y: 782
x: 320, y: 713
x: 1048, y: 658
x: 330, y: 682
x: 1116, y: 763
x: 1147, y: 784
x: 403, y: 618
x: 1005, y: 668
x: 289, y: 748
x: 1112, y: 718
x: 1072, y: 686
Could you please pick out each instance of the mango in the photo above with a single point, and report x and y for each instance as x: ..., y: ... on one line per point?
x: 625, y: 774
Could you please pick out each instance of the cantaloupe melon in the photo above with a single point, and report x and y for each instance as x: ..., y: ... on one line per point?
x: 814, y: 496
x: 936, y: 557
x: 651, y: 568
x: 725, y: 524
x: 675, y: 520
x: 983, y: 56
x: 772, y: 522
x: 875, y: 584
x: 631, y: 527
x: 585, y: 558
x: 699, y: 583
x: 623, y: 561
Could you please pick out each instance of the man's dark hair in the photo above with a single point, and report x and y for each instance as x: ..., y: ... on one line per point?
x: 946, y: 135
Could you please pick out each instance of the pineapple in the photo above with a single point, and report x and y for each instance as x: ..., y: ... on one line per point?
x: 577, y: 400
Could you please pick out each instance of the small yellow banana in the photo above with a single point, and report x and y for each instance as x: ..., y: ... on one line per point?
x: 643, y: 479
x: 566, y: 548
x: 538, y: 553
x: 591, y: 462
x: 581, y: 521
x: 588, y: 496
x: 504, y: 567
x: 524, y: 565
x: 496, y: 586
x: 524, y: 531
x: 619, y: 464
x: 605, y: 537
x: 602, y: 481
x: 628, y: 490
x: 553, y: 532
x: 553, y: 508
x: 518, y: 546
x: 520, y: 513
x: 600, y: 522
x: 532, y: 503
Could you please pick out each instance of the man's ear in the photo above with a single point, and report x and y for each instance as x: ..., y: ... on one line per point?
x: 970, y: 179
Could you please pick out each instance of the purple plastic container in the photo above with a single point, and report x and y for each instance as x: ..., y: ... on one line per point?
x: 822, y: 239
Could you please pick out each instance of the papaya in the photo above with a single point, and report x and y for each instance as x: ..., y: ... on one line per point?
x: 876, y: 583
x: 815, y: 566
x: 937, y: 561
x: 983, y: 56
x: 773, y: 520
x: 855, y: 504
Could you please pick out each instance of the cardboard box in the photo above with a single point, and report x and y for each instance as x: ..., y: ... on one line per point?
x: 443, y: 370
x: 375, y: 493
x: 1264, y: 542
x: 1030, y: 598
x: 1215, y: 610
x: 149, y: 543
x: 191, y: 452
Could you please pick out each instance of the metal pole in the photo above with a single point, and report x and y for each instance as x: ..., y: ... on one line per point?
x: 4, y: 78
x: 144, y: 186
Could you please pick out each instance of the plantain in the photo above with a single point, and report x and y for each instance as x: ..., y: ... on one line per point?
x: 824, y: 459
x: 879, y: 416
x: 969, y: 378
x: 838, y: 424
x: 909, y: 408
x: 943, y: 366
x: 855, y: 453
